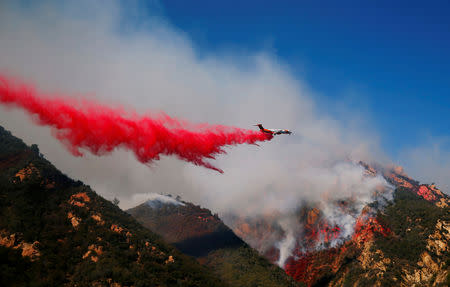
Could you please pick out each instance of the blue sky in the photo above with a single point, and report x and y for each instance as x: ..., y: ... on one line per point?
x: 389, y: 59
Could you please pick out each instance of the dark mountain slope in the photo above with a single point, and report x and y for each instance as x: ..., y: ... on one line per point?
x: 55, y: 231
x: 195, y: 231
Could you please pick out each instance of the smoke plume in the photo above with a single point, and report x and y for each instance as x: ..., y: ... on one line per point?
x: 88, y: 46
x: 100, y: 129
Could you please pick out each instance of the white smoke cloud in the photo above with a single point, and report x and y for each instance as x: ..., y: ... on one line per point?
x: 287, y: 244
x: 85, y: 48
x: 155, y: 199
x: 323, y: 187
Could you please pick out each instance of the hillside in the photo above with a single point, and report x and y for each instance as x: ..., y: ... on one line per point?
x: 197, y: 232
x: 55, y: 231
x: 404, y: 242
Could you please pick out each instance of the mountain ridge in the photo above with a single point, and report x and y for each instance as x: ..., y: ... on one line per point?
x: 198, y: 232
x: 58, y: 231
x: 55, y: 231
x: 398, y: 242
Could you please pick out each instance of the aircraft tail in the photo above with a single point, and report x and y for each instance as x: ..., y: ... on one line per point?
x: 260, y: 126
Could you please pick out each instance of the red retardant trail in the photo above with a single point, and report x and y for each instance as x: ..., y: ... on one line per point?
x: 100, y: 129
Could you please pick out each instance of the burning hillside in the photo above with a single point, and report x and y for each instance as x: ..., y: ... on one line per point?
x: 321, y: 242
x: 311, y: 226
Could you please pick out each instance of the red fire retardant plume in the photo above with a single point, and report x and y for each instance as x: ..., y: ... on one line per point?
x: 100, y: 129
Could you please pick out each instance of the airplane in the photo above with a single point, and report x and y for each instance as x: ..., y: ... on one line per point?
x: 273, y: 132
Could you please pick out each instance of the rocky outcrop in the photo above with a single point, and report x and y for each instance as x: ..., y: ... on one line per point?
x: 29, y: 250
x: 373, y: 260
x: 98, y: 218
x: 170, y: 260
x: 27, y: 172
x: 75, y: 221
x: 432, y: 269
x: 116, y: 228
x: 79, y: 199
x: 94, y: 251
x: 438, y: 242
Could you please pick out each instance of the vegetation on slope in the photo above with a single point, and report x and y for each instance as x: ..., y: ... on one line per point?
x: 55, y: 231
x: 195, y: 231
x: 413, y: 222
x: 415, y: 252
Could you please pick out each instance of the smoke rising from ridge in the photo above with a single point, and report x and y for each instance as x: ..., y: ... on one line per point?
x: 87, y: 49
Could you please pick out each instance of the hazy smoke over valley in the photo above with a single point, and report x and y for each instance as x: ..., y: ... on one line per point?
x: 88, y: 50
